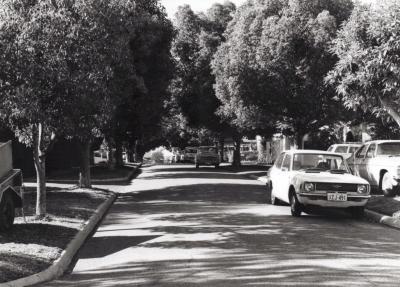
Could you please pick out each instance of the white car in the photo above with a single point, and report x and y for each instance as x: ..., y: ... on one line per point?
x: 379, y: 163
x: 307, y: 178
x: 346, y: 149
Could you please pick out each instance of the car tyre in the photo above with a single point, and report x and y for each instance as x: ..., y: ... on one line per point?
x: 217, y: 165
x: 7, y: 212
x: 385, y: 186
x: 295, y: 205
x: 357, y: 212
x: 274, y: 199
x: 197, y: 165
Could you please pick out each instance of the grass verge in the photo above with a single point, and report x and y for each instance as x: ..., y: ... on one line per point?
x: 385, y: 205
x: 32, y: 246
x: 97, y: 172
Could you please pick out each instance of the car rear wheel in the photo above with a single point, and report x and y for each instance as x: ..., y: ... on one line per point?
x: 295, y: 205
x: 386, y: 186
x: 357, y: 211
x: 217, y: 165
x: 197, y: 165
x: 7, y: 212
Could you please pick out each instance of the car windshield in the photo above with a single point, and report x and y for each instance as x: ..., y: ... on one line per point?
x: 208, y: 149
x: 320, y: 162
x: 392, y: 148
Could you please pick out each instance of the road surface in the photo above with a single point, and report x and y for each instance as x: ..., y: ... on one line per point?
x: 178, y: 226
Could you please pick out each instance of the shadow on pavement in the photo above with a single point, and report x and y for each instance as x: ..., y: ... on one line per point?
x: 98, y: 247
x: 223, y: 234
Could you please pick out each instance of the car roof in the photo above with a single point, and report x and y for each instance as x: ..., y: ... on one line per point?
x: 348, y: 144
x: 383, y: 141
x: 310, y: 151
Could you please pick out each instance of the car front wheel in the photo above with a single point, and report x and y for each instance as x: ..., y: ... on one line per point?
x: 7, y: 212
x: 295, y: 205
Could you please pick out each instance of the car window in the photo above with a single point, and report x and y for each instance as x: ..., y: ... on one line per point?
x: 279, y: 160
x: 321, y: 162
x: 361, y: 153
x: 341, y: 149
x: 389, y: 148
x: 286, y: 161
x: 371, y: 151
x: 353, y: 149
x: 331, y: 148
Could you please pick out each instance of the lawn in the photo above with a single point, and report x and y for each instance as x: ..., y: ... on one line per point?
x: 97, y: 172
x: 385, y: 205
x: 32, y: 246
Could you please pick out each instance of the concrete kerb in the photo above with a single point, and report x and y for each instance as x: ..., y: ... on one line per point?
x: 61, y: 264
x: 369, y: 214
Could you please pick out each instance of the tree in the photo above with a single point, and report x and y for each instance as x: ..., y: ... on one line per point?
x: 270, y: 71
x: 136, y: 121
x: 33, y: 77
x: 198, y: 38
x: 367, y: 75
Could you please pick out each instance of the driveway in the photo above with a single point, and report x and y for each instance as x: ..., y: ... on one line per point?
x: 178, y: 226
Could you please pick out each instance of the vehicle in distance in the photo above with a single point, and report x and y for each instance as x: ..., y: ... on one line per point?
x: 346, y: 149
x: 207, y: 155
x: 378, y: 162
x: 308, y: 178
x: 11, y: 187
x: 190, y: 154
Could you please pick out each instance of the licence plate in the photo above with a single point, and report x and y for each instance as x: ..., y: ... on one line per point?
x: 337, y: 197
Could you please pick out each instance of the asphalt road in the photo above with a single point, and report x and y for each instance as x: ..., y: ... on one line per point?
x: 178, y: 226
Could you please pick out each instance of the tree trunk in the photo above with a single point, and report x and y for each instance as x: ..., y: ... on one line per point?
x: 299, y: 140
x: 110, y: 154
x: 39, y: 159
x: 389, y: 107
x: 119, y: 161
x: 221, y: 144
x: 84, y: 174
x: 236, y: 152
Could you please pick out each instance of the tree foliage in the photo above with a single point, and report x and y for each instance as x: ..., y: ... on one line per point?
x: 367, y: 75
x: 270, y: 71
x: 198, y: 37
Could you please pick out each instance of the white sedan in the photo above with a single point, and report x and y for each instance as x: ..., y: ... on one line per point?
x: 306, y: 178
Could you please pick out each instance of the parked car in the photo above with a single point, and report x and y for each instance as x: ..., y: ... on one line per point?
x: 307, y: 178
x: 379, y: 163
x: 11, y: 188
x: 346, y: 149
x: 190, y: 154
x: 207, y: 155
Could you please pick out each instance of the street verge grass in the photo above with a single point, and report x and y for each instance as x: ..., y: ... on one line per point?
x: 389, y: 206
x: 97, y: 172
x: 32, y: 246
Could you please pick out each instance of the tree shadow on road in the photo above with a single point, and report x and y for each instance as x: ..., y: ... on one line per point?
x: 224, y: 234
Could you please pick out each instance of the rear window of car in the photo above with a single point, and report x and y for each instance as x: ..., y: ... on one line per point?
x: 279, y: 160
x: 341, y: 149
x: 286, y: 161
x: 389, y: 148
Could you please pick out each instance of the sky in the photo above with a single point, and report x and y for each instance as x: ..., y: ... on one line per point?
x: 201, y: 5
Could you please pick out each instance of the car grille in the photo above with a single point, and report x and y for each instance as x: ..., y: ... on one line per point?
x: 348, y: 187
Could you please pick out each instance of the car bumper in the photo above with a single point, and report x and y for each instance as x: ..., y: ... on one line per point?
x: 321, y: 200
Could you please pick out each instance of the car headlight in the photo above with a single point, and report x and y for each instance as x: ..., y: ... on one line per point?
x: 308, y: 186
x: 362, y: 188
